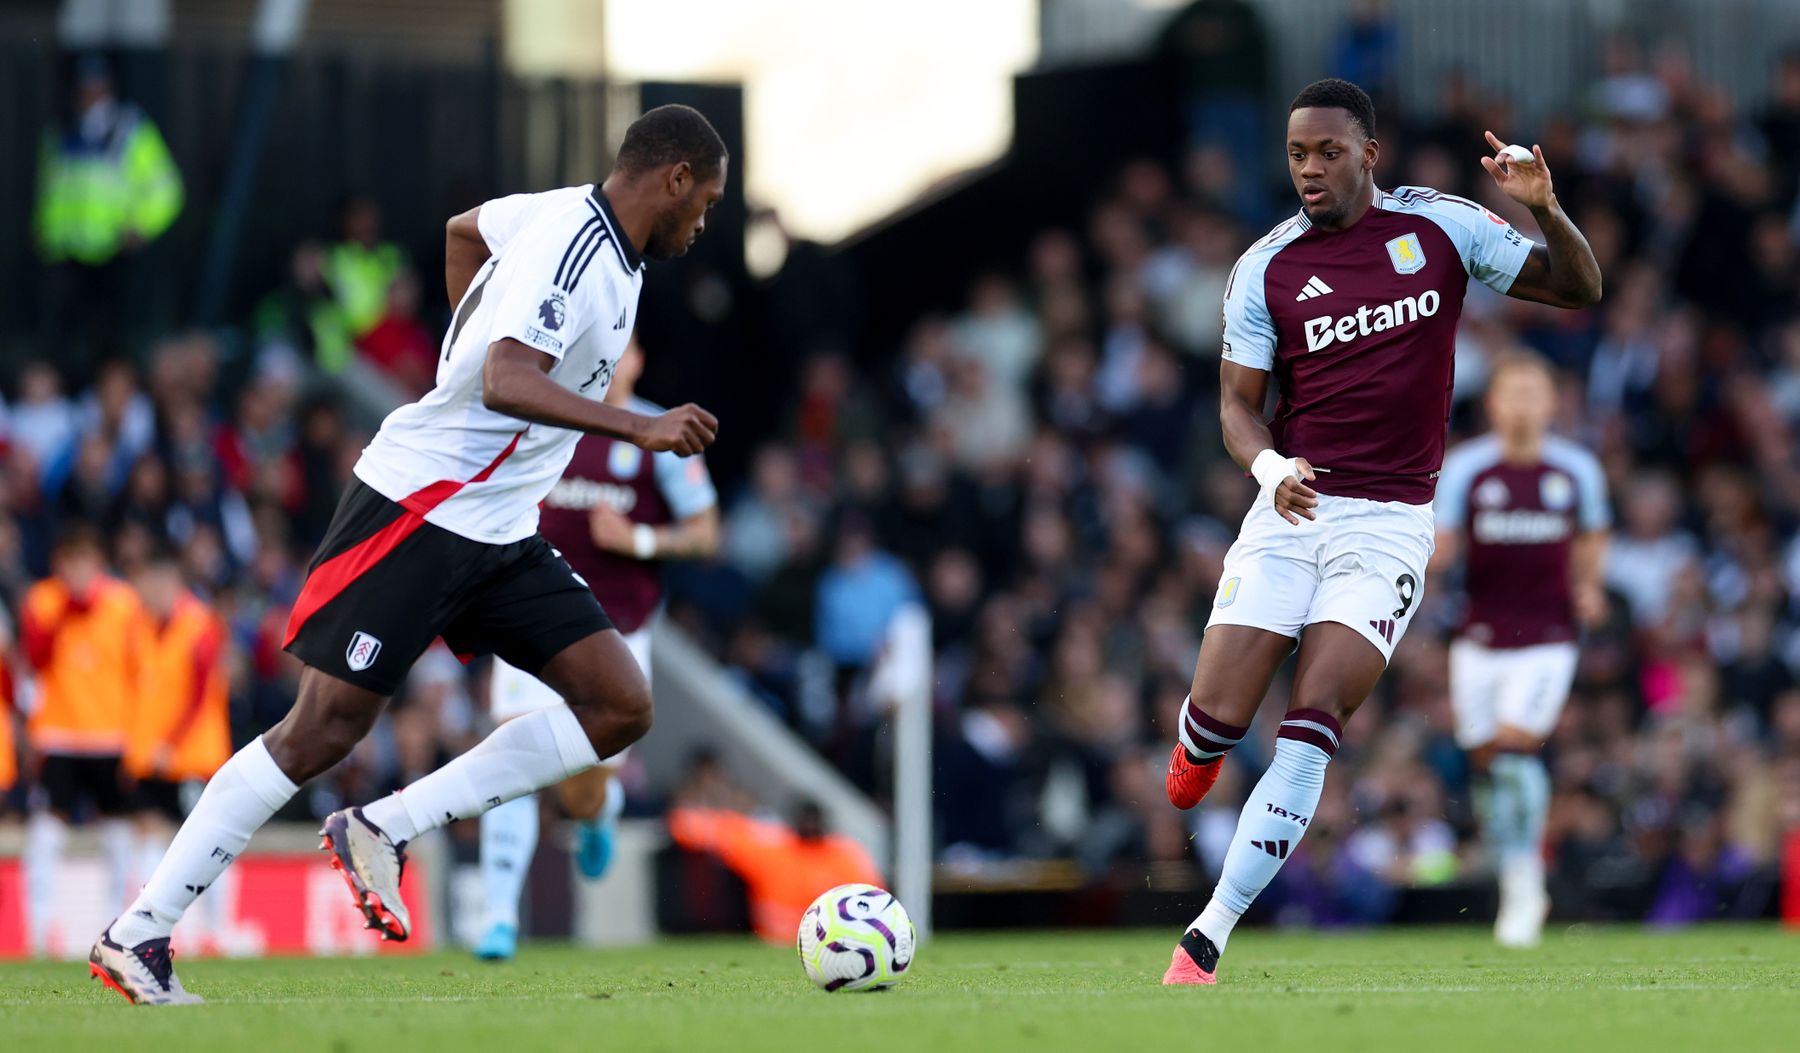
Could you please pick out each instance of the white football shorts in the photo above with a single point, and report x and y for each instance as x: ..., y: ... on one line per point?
x: 512, y: 693
x: 1360, y: 563
x: 1520, y: 687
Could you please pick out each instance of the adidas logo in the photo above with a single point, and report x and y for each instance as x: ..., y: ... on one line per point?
x: 620, y: 324
x: 1278, y: 849
x: 1314, y: 287
x: 1385, y: 627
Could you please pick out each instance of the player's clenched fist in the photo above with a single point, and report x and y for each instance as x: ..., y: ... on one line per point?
x: 686, y: 430
x: 1285, y: 479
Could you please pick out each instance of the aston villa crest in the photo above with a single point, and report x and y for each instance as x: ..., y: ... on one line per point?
x: 1407, y: 254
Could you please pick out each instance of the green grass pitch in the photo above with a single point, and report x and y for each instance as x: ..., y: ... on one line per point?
x: 1722, y: 988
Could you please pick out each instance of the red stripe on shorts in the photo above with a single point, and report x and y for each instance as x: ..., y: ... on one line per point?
x: 332, y: 577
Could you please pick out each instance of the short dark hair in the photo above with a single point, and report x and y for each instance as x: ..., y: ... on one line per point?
x: 1343, y: 95
x: 670, y: 135
x: 163, y: 556
x: 77, y: 536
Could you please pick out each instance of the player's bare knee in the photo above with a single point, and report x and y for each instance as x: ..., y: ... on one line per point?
x: 313, y: 738
x: 634, y: 712
x: 615, y: 715
x: 304, y: 752
x: 1234, y: 670
x: 1227, y: 705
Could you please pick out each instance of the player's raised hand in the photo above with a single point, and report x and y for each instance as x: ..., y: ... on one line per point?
x: 686, y: 430
x: 1527, y: 182
x: 1293, y: 498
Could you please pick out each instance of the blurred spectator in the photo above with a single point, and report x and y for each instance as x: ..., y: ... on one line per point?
x: 784, y: 866
x: 984, y: 789
x: 1186, y: 281
x: 360, y: 268
x: 42, y: 421
x: 1220, y: 52
x: 1366, y: 51
x: 301, y: 319
x: 758, y: 538
x: 858, y: 594
x: 1646, y: 557
x: 998, y: 332
x: 399, y: 345
x: 1780, y: 127
x: 107, y: 187
x: 80, y: 633
x: 180, y: 726
x: 116, y: 409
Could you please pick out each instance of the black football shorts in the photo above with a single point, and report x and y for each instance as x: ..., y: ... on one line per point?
x: 385, y: 584
x: 71, y: 780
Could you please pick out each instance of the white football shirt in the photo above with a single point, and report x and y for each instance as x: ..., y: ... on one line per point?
x: 562, y: 279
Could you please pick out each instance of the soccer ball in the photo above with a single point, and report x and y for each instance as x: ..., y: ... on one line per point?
x: 856, y: 938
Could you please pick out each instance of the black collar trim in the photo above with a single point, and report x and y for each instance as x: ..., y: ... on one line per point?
x: 628, y: 254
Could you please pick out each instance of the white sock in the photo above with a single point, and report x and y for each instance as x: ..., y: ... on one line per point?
x: 1274, y: 819
x: 209, y: 923
x: 117, y: 844
x: 45, y: 838
x: 240, y: 798
x: 1522, y: 878
x: 509, y: 836
x: 519, y: 757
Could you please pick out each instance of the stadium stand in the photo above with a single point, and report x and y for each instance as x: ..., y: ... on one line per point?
x: 1042, y: 467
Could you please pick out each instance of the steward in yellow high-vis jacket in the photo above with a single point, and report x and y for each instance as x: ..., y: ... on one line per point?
x: 106, y: 181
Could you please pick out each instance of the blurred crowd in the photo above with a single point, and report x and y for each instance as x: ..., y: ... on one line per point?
x: 1041, y: 470
x: 223, y: 451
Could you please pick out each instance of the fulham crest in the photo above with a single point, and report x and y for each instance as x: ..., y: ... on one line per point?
x: 361, y: 653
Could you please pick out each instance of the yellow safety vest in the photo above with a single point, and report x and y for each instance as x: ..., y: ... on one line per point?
x: 91, y: 196
x: 359, y: 278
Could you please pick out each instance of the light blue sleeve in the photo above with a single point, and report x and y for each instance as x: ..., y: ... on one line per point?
x: 1249, y: 328
x: 1492, y: 249
x: 1451, y: 506
x: 1590, y: 488
x: 685, y: 484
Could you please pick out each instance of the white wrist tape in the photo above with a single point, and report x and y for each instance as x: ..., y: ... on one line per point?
x: 643, y: 541
x: 1270, y: 468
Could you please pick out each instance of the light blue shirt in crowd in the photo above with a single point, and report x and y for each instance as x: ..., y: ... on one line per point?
x: 854, y: 605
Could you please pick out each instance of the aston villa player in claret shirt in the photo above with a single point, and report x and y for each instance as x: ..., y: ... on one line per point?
x: 617, y: 515
x: 1524, y: 512
x: 1350, y: 306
